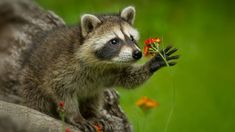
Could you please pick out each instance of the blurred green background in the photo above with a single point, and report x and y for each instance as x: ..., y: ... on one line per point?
x: 204, y: 79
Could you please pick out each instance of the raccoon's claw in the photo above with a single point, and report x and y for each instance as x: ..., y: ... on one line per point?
x: 80, y: 123
x: 166, y: 49
x: 169, y: 51
x: 172, y: 57
x: 89, y: 127
x: 85, y: 126
x: 157, y: 61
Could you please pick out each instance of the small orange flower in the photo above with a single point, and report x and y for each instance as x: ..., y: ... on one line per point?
x: 67, y: 130
x: 150, y: 44
x: 98, y: 128
x: 61, y: 104
x: 150, y: 41
x: 147, y: 42
x: 141, y: 101
x: 151, y: 104
x: 158, y: 40
x: 146, y: 50
x: 146, y: 103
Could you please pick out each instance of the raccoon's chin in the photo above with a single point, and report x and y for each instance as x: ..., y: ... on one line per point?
x: 124, y: 60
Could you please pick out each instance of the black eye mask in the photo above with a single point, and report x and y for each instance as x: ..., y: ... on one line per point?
x: 109, y: 50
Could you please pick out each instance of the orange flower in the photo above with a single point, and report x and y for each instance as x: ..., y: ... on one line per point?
x: 98, y: 128
x: 150, y: 44
x: 158, y: 40
x: 146, y: 103
x: 147, y: 42
x: 67, y: 130
x: 150, y: 41
x: 146, y: 50
x: 61, y: 104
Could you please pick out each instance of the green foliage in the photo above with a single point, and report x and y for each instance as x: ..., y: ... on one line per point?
x: 203, y: 30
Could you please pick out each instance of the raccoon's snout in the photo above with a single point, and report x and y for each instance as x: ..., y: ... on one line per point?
x: 137, y: 54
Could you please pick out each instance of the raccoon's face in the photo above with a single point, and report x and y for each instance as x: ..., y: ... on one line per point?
x: 111, y: 38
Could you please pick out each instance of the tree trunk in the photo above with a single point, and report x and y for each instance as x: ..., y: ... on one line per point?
x: 20, y: 21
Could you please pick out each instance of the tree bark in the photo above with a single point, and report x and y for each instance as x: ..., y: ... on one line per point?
x: 20, y: 21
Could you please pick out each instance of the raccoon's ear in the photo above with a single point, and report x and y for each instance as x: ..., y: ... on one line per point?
x: 128, y: 14
x: 88, y: 23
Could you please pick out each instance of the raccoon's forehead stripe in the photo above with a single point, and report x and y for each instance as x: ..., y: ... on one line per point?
x: 119, y: 34
x: 130, y: 31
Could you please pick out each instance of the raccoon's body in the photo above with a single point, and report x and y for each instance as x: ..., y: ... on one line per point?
x: 75, y: 64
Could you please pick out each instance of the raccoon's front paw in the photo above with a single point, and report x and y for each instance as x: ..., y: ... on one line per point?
x: 87, y: 126
x: 80, y: 122
x: 157, y: 61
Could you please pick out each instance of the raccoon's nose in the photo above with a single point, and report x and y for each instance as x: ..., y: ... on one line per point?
x: 137, y: 54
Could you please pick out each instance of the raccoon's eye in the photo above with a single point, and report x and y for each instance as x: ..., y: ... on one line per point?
x: 114, y: 41
x: 132, y: 38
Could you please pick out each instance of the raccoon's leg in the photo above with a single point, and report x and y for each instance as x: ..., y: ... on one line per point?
x: 136, y: 75
x: 90, y: 107
x: 36, y: 99
x: 90, y: 110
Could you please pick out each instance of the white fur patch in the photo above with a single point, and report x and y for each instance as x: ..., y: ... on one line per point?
x: 125, y: 55
x: 101, y: 41
x: 128, y: 30
x: 119, y: 33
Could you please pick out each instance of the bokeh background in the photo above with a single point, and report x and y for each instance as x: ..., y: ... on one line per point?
x: 204, y: 79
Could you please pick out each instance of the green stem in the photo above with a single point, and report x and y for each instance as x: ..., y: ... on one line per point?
x: 156, y: 49
x: 164, y: 59
x: 63, y: 121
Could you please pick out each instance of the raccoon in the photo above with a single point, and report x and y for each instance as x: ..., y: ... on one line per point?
x: 75, y: 64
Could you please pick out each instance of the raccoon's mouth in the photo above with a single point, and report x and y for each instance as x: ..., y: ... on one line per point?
x: 124, y: 59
